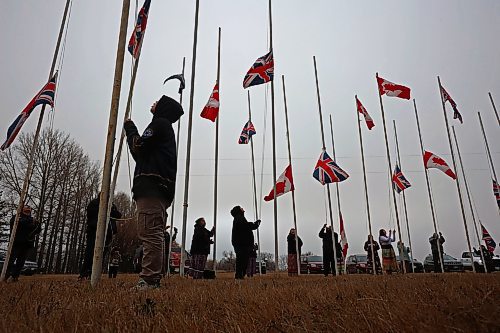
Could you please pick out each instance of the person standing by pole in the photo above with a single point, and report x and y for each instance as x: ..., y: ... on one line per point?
x: 242, y: 240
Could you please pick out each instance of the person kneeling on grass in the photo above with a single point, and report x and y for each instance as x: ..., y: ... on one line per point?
x: 242, y: 239
x: 200, y: 248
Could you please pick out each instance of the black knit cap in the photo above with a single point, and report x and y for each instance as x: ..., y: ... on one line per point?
x: 168, y: 108
x: 236, y: 211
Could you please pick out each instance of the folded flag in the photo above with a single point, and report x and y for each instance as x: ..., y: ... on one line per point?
x: 496, y: 192
x: 284, y: 184
x: 434, y: 161
x: 447, y: 98
x: 262, y: 71
x: 361, y: 109
x: 211, y: 110
x: 392, y: 89
x: 327, y: 171
x: 246, y: 133
x: 134, y: 44
x: 490, y: 243
x: 44, y: 96
x: 399, y: 181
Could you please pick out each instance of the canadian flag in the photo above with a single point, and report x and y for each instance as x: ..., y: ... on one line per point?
x: 283, y: 184
x: 211, y: 109
x: 361, y: 109
x: 343, y: 238
x: 434, y: 161
x: 392, y: 89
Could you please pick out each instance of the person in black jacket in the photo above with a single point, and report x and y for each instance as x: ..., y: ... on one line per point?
x: 24, y: 241
x: 200, y: 248
x: 437, y: 250
x: 293, y: 269
x: 242, y: 239
x: 372, y: 245
x: 328, y: 257
x: 92, y: 217
x: 153, y: 190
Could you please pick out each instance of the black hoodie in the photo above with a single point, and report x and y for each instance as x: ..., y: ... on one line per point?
x: 155, y: 152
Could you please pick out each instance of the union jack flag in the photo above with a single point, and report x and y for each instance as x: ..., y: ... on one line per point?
x: 496, y: 192
x: 134, y: 44
x: 399, y: 181
x: 246, y: 133
x: 44, y: 96
x: 490, y: 243
x: 327, y: 171
x: 447, y: 98
x: 262, y: 71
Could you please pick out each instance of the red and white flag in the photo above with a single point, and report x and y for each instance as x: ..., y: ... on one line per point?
x: 447, y: 98
x: 343, y: 238
x: 211, y: 110
x: 361, y: 109
x: 284, y: 184
x: 392, y: 89
x: 434, y: 161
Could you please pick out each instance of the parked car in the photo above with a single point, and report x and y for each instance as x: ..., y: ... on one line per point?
x: 311, y: 265
x: 418, y: 267
x: 29, y: 268
x: 263, y: 266
x: 450, y: 264
x: 357, y: 264
x: 175, y: 259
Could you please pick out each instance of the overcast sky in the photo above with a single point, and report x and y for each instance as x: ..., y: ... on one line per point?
x: 410, y: 42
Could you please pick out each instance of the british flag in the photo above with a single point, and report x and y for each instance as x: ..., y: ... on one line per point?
x: 134, y: 44
x: 246, y: 133
x: 490, y: 243
x: 399, y: 181
x: 447, y: 98
x: 327, y: 171
x: 262, y: 71
x: 44, y: 96
x: 496, y: 192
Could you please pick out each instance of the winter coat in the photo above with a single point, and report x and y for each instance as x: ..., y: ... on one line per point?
x: 155, y: 152
x: 26, y: 231
x: 326, y: 236
x: 434, y: 244
x: 242, y: 234
x: 93, y: 215
x: 290, y: 239
x: 201, y: 240
x: 368, y: 248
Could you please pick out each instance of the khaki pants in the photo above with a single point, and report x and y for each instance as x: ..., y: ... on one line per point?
x: 151, y: 222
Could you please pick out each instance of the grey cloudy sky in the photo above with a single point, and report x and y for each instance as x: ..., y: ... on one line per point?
x: 408, y: 42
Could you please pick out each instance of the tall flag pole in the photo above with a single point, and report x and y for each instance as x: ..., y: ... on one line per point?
x: 366, y: 185
x: 29, y: 168
x: 469, y: 198
x: 324, y: 150
x: 494, y: 108
x: 188, y: 149
x: 393, y: 90
x: 290, y: 164
x: 404, y: 199
x: 110, y: 145
x: 428, y: 186
x: 492, y: 166
x: 441, y: 93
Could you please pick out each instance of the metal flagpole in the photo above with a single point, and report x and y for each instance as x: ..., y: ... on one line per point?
x: 428, y: 186
x: 404, y: 200
x: 469, y: 198
x: 324, y: 148
x: 392, y: 187
x: 366, y: 190
x: 188, y: 149
x: 31, y: 161
x: 488, y: 150
x: 110, y: 145
x: 494, y: 108
x: 214, y: 256
x: 293, y: 192
x: 457, y: 180
x: 176, y: 154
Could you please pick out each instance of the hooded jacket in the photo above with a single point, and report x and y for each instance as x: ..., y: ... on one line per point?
x: 154, y: 152
x: 242, y: 233
x: 201, y: 240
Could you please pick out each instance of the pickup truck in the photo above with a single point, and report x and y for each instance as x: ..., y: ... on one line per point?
x: 478, y: 262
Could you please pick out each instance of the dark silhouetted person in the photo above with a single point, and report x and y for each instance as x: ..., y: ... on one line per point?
x: 252, y: 261
x: 200, y: 248
x: 242, y: 239
x: 114, y: 262
x: 437, y: 247
x: 372, y: 245
x: 293, y: 269
x: 329, y: 264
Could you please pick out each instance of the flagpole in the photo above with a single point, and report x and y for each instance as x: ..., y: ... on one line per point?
x: 290, y: 163
x: 188, y: 149
x: 494, y: 108
x: 176, y: 154
x: 428, y: 187
x: 404, y: 201
x: 469, y: 198
x: 110, y: 145
x: 457, y: 180
x: 366, y: 190
x: 31, y: 160
x: 216, y: 175
x: 324, y: 148
x: 275, y: 201
x: 254, y: 180
x: 390, y: 177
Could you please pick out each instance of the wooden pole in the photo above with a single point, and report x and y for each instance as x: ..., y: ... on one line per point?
x: 488, y: 151
x: 457, y: 180
x: 494, y: 108
x: 214, y: 256
x: 188, y: 149
x: 290, y: 163
x: 469, y: 199
x: 324, y: 148
x: 404, y: 200
x: 389, y: 164
x: 110, y: 145
x: 31, y: 160
x: 366, y: 190
x: 428, y: 187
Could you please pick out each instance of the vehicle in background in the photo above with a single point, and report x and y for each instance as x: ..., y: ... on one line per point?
x: 29, y: 268
x: 357, y: 264
x: 263, y: 266
x: 417, y: 267
x: 450, y: 264
x: 476, y: 259
x: 311, y: 264
x: 175, y: 259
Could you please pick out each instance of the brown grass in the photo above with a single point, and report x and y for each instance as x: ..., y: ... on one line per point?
x: 274, y: 303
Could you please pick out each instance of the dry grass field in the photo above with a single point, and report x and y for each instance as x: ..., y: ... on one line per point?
x: 273, y: 303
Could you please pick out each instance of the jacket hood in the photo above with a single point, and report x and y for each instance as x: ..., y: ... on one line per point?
x: 168, y: 108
